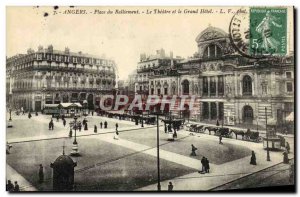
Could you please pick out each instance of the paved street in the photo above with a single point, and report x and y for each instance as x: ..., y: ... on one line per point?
x: 129, y: 163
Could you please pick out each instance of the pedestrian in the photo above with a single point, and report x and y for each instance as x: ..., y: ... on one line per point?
x: 86, y: 126
x: 101, y: 125
x: 41, y: 173
x: 193, y: 153
x: 92, y: 113
x: 79, y: 126
x: 175, y: 134
x: 220, y: 139
x: 9, y: 186
x: 170, y: 186
x: 17, y: 187
x: 8, y: 147
x: 105, y: 125
x: 95, y: 129
x: 202, y: 171
x: 29, y: 115
x: 117, y: 126
x: 218, y: 123
x: 288, y: 148
x: 165, y: 128
x: 253, y: 159
x: 116, y: 136
x: 36, y: 113
x: 64, y: 122
x: 206, y: 165
x: 285, y: 157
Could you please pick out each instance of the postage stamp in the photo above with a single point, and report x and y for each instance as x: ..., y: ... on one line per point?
x: 268, y: 31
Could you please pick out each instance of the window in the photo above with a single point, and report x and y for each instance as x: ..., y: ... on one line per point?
x: 152, y: 91
x: 264, y: 88
x: 166, y: 91
x: 141, y: 88
x: 212, y: 86
x: 247, y: 85
x: 185, y: 87
x: 212, y: 51
x: 289, y: 87
x: 288, y: 75
x: 205, y: 86
x: 220, y: 85
x: 158, y: 91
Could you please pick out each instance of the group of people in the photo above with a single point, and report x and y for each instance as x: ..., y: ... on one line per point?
x: 11, y: 187
x: 105, y: 125
x: 205, y: 165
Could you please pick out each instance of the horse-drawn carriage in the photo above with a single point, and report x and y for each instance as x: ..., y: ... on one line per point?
x: 196, y: 128
x: 248, y: 135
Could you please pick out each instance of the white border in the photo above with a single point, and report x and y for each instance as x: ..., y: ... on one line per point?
x: 5, y: 3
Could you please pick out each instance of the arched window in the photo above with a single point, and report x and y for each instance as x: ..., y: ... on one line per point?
x: 248, y: 114
x: 247, y: 85
x: 185, y: 87
x: 212, y: 51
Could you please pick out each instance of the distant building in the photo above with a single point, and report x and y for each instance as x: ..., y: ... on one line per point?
x: 147, y: 65
x: 50, y: 76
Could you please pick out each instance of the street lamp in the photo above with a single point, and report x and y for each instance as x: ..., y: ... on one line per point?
x: 267, y: 133
x: 142, y: 125
x: 157, y: 146
x: 75, y: 151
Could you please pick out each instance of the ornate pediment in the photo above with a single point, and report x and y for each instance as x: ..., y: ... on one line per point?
x: 211, y: 33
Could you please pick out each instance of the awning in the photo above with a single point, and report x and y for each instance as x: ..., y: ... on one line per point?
x: 67, y: 105
x: 290, y: 117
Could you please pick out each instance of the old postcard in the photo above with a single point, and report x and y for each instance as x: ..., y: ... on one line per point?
x: 150, y: 98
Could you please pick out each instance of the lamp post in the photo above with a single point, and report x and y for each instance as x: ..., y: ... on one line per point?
x: 157, y: 146
x: 142, y: 125
x: 267, y: 134
x: 75, y: 151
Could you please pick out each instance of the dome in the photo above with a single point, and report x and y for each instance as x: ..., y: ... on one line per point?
x: 211, y: 33
x: 64, y: 160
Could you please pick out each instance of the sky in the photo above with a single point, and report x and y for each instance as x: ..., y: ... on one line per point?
x: 121, y: 37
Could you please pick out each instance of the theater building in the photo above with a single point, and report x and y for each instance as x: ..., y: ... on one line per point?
x: 228, y: 86
x: 50, y: 76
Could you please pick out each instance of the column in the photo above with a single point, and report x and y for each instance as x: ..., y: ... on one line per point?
x: 208, y: 86
x: 217, y: 106
x: 217, y: 85
x: 209, y: 111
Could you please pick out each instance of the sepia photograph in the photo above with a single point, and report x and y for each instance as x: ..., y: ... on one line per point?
x: 150, y: 99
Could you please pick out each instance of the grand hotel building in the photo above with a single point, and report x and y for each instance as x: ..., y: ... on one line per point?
x: 228, y: 86
x: 50, y: 76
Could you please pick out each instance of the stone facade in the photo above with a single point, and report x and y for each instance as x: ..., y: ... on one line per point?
x: 51, y: 76
x: 228, y: 87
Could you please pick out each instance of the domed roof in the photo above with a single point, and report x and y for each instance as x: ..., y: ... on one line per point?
x: 64, y: 160
x: 211, y: 33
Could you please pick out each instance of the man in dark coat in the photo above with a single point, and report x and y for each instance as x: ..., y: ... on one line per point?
x: 105, y: 125
x: 9, y: 186
x: 170, y: 186
x: 203, y: 170
x: 95, y: 129
x: 117, y: 126
x: 29, y: 115
x: 218, y: 123
x: 253, y: 159
x: 86, y: 126
x: 220, y: 139
x: 41, y: 173
x: 64, y: 122
x: 17, y: 187
x: 288, y: 148
x: 79, y: 126
x: 101, y: 125
x: 193, y: 153
x: 206, y: 165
